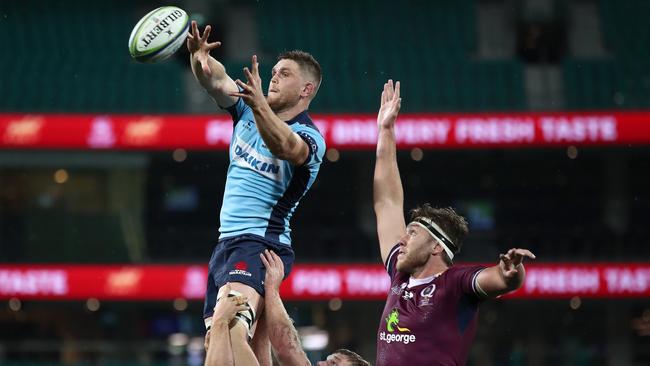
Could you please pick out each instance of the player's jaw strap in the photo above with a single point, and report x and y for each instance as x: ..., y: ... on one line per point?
x: 437, y: 233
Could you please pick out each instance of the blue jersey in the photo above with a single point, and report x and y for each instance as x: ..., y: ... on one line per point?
x: 262, y: 191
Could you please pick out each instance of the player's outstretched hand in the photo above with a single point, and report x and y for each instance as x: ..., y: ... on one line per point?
x: 390, y: 105
x: 251, y: 91
x: 509, y: 262
x: 274, y: 270
x: 199, y: 46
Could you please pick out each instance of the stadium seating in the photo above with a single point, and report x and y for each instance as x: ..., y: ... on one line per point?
x: 71, y: 56
x: 621, y: 80
x: 428, y: 46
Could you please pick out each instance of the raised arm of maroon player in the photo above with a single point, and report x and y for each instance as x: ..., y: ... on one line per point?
x: 506, y: 276
x: 388, y: 194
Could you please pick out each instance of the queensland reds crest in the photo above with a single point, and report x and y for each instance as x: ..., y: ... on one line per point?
x: 426, y: 295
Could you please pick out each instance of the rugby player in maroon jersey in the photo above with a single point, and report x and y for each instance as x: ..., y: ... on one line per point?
x: 431, y: 312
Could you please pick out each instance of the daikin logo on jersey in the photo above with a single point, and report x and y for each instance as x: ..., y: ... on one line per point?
x: 247, y: 157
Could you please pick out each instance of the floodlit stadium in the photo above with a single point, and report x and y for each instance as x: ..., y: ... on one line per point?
x: 531, y: 118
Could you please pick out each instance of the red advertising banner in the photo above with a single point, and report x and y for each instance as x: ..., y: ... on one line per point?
x: 342, y: 131
x: 306, y: 282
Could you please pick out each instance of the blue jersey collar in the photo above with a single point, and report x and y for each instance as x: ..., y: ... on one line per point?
x: 302, y: 117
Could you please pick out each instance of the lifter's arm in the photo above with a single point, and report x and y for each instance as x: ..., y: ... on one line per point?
x: 280, y: 139
x: 282, y: 333
x: 210, y: 73
x: 388, y: 194
x: 218, y: 344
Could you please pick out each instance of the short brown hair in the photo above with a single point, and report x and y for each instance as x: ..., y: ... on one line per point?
x: 354, y: 358
x: 307, y: 64
x: 453, y: 224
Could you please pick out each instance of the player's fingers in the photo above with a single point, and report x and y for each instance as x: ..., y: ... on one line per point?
x: 206, y: 33
x: 505, y: 260
x: 241, y: 308
x: 509, y: 254
x: 390, y: 90
x: 239, y: 95
x: 195, y: 30
x: 397, y: 85
x: 213, y: 45
x: 249, y: 76
x: 276, y: 259
x: 525, y: 253
x: 264, y: 260
x: 241, y: 299
x: 255, y: 65
x: 243, y: 85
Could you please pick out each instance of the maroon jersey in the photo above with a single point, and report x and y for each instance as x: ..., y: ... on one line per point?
x: 429, y: 321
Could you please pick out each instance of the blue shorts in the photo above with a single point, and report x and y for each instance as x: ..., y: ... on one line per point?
x: 237, y: 259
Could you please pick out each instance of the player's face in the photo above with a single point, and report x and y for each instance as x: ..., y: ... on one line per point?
x: 286, y: 85
x: 335, y: 359
x: 415, y: 249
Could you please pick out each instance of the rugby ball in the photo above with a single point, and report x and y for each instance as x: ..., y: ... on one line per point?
x: 159, y: 34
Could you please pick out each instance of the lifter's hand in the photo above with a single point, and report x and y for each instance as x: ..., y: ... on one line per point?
x: 200, y: 48
x: 228, y: 306
x: 251, y: 93
x: 390, y: 105
x: 274, y: 271
x: 509, y: 262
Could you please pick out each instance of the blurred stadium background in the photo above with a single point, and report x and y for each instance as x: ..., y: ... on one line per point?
x: 530, y: 116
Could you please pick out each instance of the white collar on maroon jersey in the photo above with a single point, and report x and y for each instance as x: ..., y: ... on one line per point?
x: 421, y: 281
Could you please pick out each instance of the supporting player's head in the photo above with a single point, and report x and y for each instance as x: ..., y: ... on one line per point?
x: 434, y: 234
x: 295, y: 80
x: 344, y: 357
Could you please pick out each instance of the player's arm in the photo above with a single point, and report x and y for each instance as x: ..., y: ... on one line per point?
x: 507, y: 276
x: 210, y: 73
x: 219, y: 347
x: 388, y: 194
x: 278, y: 137
x: 282, y: 333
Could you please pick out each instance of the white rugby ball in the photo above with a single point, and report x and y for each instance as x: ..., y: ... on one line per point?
x: 159, y: 34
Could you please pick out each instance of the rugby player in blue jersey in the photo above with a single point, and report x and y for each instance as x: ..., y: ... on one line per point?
x: 431, y: 310
x: 275, y: 155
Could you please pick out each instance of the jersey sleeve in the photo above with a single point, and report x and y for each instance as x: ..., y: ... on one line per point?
x: 391, y: 261
x: 315, y: 143
x: 465, y: 277
x: 239, y: 110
